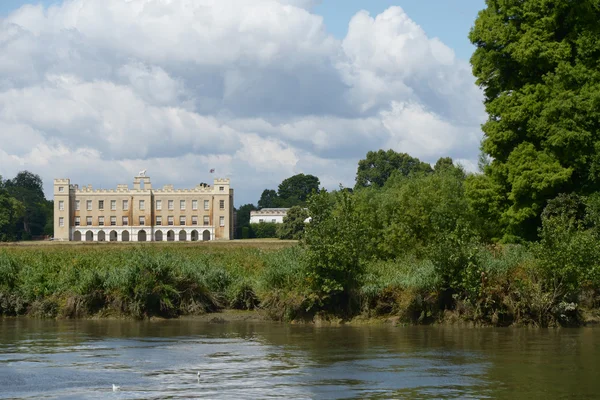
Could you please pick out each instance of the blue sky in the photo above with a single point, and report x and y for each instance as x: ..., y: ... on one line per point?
x: 449, y: 20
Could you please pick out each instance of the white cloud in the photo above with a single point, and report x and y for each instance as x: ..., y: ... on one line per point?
x: 97, y: 90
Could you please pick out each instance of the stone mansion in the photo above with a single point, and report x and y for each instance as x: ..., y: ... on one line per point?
x: 143, y: 214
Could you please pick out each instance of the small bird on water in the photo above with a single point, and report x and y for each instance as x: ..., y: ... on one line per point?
x: 116, y: 388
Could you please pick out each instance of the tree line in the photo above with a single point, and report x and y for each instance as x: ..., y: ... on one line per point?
x: 25, y: 213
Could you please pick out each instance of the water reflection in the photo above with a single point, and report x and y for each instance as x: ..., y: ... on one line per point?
x: 161, y: 359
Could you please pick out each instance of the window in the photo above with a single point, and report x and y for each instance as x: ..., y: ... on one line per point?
x: 61, y: 189
x: 182, y: 220
x: 221, y: 188
x: 101, y: 221
x: 159, y: 204
x: 77, y: 205
x: 222, y: 204
x: 113, y: 205
x: 89, y: 205
x: 194, y: 204
x: 142, y: 205
x: 77, y: 221
x: 206, y: 205
x: 113, y: 221
x: 61, y: 205
x: 101, y: 204
x: 125, y: 205
x: 61, y: 222
x: 142, y: 220
x: 125, y: 221
x: 194, y: 220
x: 182, y: 204
x: 171, y: 204
x: 221, y: 221
x: 273, y: 220
x: 158, y: 220
x: 170, y: 221
x: 261, y: 220
x: 206, y: 220
x: 88, y: 221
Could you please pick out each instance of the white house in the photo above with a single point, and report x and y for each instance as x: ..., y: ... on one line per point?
x: 272, y: 215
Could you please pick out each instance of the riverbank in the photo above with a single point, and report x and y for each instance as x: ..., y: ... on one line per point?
x: 269, y: 279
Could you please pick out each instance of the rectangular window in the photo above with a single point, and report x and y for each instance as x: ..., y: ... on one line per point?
x: 113, y: 205
x: 222, y: 204
x: 194, y: 220
x: 61, y: 189
x: 206, y: 220
x: 125, y: 221
x: 101, y: 204
x: 158, y: 220
x: 182, y: 220
x: 89, y: 205
x: 76, y: 205
x: 88, y: 221
x: 159, y: 204
x: 77, y: 221
x: 261, y: 220
x: 170, y: 220
x: 142, y: 220
x: 206, y: 205
x: 194, y: 204
x: 61, y: 222
x: 273, y: 220
x: 142, y: 205
x: 171, y: 204
x: 182, y: 204
x: 221, y: 188
x: 113, y: 221
x: 101, y: 221
x: 221, y: 221
x: 61, y: 205
x: 125, y: 205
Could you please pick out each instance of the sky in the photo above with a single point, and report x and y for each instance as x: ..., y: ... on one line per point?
x: 259, y: 90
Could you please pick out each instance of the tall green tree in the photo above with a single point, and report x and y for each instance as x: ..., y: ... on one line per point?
x: 243, y: 218
x: 27, y: 188
x: 11, y: 210
x: 296, y: 189
x: 537, y: 62
x: 268, y: 199
x: 293, y: 224
x: 378, y: 166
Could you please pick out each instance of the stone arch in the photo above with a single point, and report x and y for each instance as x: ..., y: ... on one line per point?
x: 194, y: 235
x: 142, y: 236
x: 77, y: 236
x: 125, y: 236
x: 158, y: 236
x: 101, y: 236
x: 182, y: 235
x: 112, y: 236
x: 89, y: 236
x: 170, y: 236
x: 206, y: 235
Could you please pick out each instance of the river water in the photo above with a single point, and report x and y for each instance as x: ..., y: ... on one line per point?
x: 243, y: 360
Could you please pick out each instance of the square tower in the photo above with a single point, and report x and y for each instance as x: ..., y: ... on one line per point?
x: 62, y: 209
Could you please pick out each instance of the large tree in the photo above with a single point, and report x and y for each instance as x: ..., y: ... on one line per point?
x: 27, y: 188
x: 537, y: 62
x: 378, y: 166
x: 293, y: 224
x: 268, y: 199
x: 297, y: 188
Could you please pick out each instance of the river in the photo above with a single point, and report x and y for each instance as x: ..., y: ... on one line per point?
x: 42, y: 359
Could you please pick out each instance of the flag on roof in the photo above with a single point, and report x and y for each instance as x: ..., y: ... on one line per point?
x: 212, y: 170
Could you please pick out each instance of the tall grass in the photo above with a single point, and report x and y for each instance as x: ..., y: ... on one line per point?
x: 496, y: 285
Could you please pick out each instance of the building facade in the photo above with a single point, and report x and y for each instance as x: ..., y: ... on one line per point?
x: 270, y: 215
x: 143, y: 214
